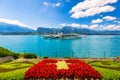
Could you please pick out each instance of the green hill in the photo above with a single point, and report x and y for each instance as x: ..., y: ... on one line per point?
x: 5, y: 52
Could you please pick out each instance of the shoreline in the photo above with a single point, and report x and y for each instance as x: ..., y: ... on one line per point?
x: 28, y: 33
x: 85, y: 59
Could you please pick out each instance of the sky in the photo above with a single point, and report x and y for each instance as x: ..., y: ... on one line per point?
x: 91, y: 14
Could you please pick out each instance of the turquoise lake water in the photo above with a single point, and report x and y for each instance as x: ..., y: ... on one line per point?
x: 92, y: 46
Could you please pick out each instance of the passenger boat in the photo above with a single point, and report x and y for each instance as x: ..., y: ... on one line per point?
x: 63, y: 36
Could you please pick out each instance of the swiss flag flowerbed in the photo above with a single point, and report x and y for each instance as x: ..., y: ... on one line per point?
x: 58, y: 69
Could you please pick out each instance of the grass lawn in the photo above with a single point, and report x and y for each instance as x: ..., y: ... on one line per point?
x: 15, y: 70
x: 110, y: 70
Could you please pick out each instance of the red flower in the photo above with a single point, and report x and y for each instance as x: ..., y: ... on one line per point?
x: 47, y: 69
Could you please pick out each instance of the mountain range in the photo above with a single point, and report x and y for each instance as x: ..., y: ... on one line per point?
x: 69, y: 29
x: 10, y: 28
x: 5, y: 27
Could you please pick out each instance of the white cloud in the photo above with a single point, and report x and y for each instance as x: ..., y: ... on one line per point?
x: 14, y: 22
x: 112, y: 27
x: 80, y: 26
x: 72, y: 25
x: 104, y: 18
x: 52, y: 4
x: 56, y: 4
x: 63, y: 24
x: 75, y: 25
x: 84, y: 26
x: 109, y: 27
x: 45, y: 3
x: 94, y: 26
x: 91, y: 8
x: 97, y: 21
x: 109, y: 18
x: 117, y: 21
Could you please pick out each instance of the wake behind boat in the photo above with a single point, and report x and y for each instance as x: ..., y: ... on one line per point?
x: 63, y: 36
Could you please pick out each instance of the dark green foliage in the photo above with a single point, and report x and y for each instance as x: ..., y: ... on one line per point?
x: 45, y: 57
x: 66, y: 57
x: 5, y: 52
x: 118, y: 57
x: 28, y: 55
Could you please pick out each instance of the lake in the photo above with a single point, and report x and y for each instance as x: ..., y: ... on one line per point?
x: 92, y: 46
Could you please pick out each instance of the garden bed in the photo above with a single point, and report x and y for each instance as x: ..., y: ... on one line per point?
x: 53, y: 69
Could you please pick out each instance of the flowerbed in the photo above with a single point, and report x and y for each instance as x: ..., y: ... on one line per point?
x: 48, y: 69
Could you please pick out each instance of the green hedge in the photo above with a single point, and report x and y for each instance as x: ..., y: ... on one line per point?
x: 28, y: 55
x: 45, y: 57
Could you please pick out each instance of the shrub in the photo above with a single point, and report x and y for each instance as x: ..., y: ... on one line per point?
x: 28, y: 55
x: 66, y: 57
x: 118, y: 57
x: 45, y: 57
